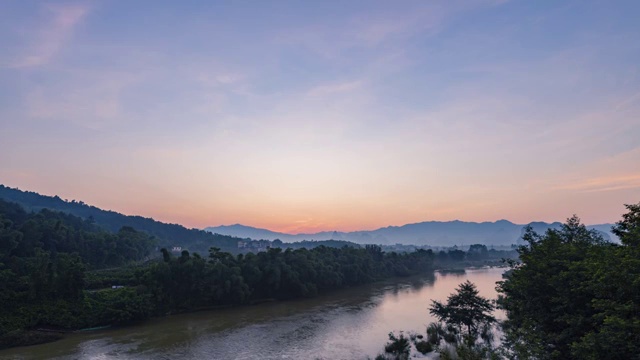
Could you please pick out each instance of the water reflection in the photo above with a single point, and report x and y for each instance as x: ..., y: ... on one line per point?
x: 347, y: 324
x: 453, y: 272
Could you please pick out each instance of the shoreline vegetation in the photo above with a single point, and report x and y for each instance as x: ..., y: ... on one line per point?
x: 570, y: 295
x: 60, y: 273
x: 42, y: 335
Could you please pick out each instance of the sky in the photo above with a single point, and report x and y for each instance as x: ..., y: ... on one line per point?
x: 301, y: 116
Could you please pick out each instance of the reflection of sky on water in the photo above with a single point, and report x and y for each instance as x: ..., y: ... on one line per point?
x: 346, y: 324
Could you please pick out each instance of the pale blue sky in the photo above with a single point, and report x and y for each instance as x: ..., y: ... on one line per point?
x: 299, y: 115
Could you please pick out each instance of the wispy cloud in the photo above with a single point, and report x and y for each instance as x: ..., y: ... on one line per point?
x: 335, y: 88
x: 627, y: 102
x: 86, y: 98
x: 386, y: 28
x: 605, y: 183
x: 218, y: 78
x: 61, y: 19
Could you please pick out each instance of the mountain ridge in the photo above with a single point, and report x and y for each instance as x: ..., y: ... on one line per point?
x: 434, y: 233
x: 168, y: 234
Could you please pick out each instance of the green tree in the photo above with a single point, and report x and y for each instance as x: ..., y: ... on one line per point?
x: 628, y: 229
x: 465, y: 309
x: 575, y: 296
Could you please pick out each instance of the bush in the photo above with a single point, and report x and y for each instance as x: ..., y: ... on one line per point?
x: 434, y: 333
x: 424, y: 347
x: 398, y: 346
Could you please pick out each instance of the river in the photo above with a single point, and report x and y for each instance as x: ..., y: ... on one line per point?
x: 346, y: 324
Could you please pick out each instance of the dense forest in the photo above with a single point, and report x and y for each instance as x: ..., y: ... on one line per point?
x: 167, y: 235
x: 571, y: 295
x: 61, y: 272
x: 43, y: 260
x: 574, y: 295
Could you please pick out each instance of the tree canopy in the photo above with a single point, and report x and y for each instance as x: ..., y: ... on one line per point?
x: 465, y: 309
x: 575, y: 296
x: 58, y: 270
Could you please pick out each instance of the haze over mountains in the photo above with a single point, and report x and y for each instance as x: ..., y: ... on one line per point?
x: 434, y: 233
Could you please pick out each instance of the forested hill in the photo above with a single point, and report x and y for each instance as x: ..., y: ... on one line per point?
x: 58, y: 272
x: 49, y: 235
x: 167, y: 234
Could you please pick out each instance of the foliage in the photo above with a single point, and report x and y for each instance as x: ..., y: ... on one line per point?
x: 190, y: 281
x: 477, y: 254
x: 398, y: 346
x: 575, y: 296
x: 465, y: 351
x: 43, y: 261
x: 465, y: 310
x: 628, y: 229
x: 435, y: 332
x: 424, y: 347
x: 60, y: 271
x: 26, y: 235
x: 464, y: 319
x: 168, y: 235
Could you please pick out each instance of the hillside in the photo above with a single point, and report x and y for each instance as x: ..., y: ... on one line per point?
x: 433, y: 233
x: 167, y: 235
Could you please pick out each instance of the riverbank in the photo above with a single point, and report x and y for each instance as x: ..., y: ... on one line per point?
x: 348, y: 323
x: 465, y: 265
x: 28, y: 337
x: 176, y: 284
x: 42, y: 335
x: 38, y: 336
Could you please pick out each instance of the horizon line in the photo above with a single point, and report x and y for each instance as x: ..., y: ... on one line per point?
x: 288, y: 233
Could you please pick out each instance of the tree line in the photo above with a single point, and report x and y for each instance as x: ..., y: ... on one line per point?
x: 58, y: 272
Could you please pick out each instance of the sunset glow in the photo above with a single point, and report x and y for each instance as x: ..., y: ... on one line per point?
x: 304, y: 116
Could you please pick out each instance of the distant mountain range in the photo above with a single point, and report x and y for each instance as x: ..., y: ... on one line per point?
x: 433, y: 233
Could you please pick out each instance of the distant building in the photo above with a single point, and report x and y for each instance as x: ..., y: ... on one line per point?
x: 176, y: 249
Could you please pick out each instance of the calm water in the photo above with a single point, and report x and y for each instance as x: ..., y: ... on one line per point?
x: 349, y: 324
